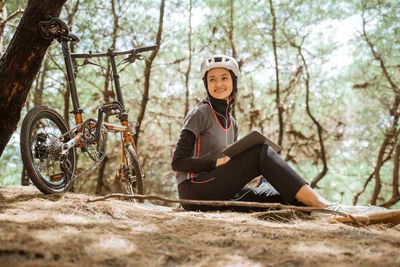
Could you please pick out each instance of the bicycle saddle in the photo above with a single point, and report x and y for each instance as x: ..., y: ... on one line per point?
x: 56, y: 28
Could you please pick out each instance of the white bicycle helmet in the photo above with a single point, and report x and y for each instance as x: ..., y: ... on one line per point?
x: 220, y: 61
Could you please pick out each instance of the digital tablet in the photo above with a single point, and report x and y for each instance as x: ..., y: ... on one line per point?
x: 252, y: 139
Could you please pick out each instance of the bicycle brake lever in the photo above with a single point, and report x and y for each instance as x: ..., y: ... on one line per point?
x: 130, y: 59
x: 86, y: 61
x: 144, y: 58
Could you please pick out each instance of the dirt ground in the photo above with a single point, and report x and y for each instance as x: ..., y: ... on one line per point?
x: 66, y: 230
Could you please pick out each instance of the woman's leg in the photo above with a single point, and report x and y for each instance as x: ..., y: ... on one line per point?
x: 311, y: 198
x: 275, y: 168
x: 225, y: 181
x: 264, y: 194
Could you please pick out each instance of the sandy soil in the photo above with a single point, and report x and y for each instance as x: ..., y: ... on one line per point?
x: 66, y: 230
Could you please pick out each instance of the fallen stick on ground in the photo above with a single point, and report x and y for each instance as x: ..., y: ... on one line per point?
x: 226, y: 204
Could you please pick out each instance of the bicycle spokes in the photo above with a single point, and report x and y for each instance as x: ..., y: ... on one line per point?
x: 48, y: 158
x: 43, y: 136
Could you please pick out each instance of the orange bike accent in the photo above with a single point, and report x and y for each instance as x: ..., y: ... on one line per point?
x: 126, y: 136
x: 78, y: 120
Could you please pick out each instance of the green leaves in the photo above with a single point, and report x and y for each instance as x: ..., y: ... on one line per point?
x: 329, y: 34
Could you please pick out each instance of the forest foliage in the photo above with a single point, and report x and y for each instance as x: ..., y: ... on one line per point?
x: 319, y: 77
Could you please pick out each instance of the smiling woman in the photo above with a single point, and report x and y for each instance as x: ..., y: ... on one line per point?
x: 220, y: 84
x: 205, y: 173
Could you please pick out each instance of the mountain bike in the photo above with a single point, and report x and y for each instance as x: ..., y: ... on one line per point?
x: 48, y: 146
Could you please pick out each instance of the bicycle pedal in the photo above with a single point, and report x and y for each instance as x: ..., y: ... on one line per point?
x: 57, y: 177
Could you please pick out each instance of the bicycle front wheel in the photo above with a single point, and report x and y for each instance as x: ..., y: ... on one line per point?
x: 134, y: 175
x: 42, y: 137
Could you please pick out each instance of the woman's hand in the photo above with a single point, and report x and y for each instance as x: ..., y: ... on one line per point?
x: 222, y: 161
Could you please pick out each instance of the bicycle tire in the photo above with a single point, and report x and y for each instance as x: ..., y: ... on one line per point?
x: 134, y: 167
x: 35, y: 150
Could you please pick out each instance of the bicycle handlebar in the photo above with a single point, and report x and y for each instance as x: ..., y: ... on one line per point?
x: 112, y: 53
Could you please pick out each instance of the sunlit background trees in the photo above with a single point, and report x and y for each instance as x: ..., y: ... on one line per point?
x: 319, y: 77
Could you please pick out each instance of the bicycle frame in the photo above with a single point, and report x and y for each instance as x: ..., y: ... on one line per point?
x: 119, y: 104
x: 48, y: 144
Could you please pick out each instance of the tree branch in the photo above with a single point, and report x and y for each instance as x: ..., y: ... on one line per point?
x: 147, y: 72
x: 390, y: 202
x: 224, y: 204
x: 277, y: 98
x: 11, y: 17
x: 378, y: 56
x: 393, y: 111
x: 187, y: 73
x: 320, y: 129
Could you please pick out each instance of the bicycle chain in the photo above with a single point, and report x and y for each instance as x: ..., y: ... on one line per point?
x: 96, y: 163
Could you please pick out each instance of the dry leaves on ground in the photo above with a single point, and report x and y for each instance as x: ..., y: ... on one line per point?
x: 66, y: 230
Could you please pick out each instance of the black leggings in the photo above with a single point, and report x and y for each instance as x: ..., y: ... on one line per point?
x: 227, y: 181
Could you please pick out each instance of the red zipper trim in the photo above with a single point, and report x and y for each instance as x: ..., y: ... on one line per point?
x: 197, y: 154
x: 203, y: 181
x: 215, y: 115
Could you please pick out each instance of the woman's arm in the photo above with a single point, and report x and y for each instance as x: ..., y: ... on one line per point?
x: 183, y: 160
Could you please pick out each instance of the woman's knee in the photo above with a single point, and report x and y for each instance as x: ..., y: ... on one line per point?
x: 268, y: 151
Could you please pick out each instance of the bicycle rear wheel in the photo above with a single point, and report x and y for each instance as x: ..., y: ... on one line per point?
x: 133, y: 175
x: 41, y: 139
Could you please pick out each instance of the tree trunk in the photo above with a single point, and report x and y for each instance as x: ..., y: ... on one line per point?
x: 187, y: 73
x: 317, y: 124
x: 38, y: 92
x: 393, y: 112
x: 232, y: 43
x: 147, y: 72
x: 395, y: 181
x: 277, y: 90
x: 253, y: 112
x: 356, y: 196
x: 100, y: 175
x: 21, y: 62
x: 378, y: 166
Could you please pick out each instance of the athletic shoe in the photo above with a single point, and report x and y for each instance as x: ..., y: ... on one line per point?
x: 333, y: 207
x: 353, y: 210
x: 366, y: 210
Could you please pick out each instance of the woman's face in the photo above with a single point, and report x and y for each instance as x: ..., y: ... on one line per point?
x: 219, y: 83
